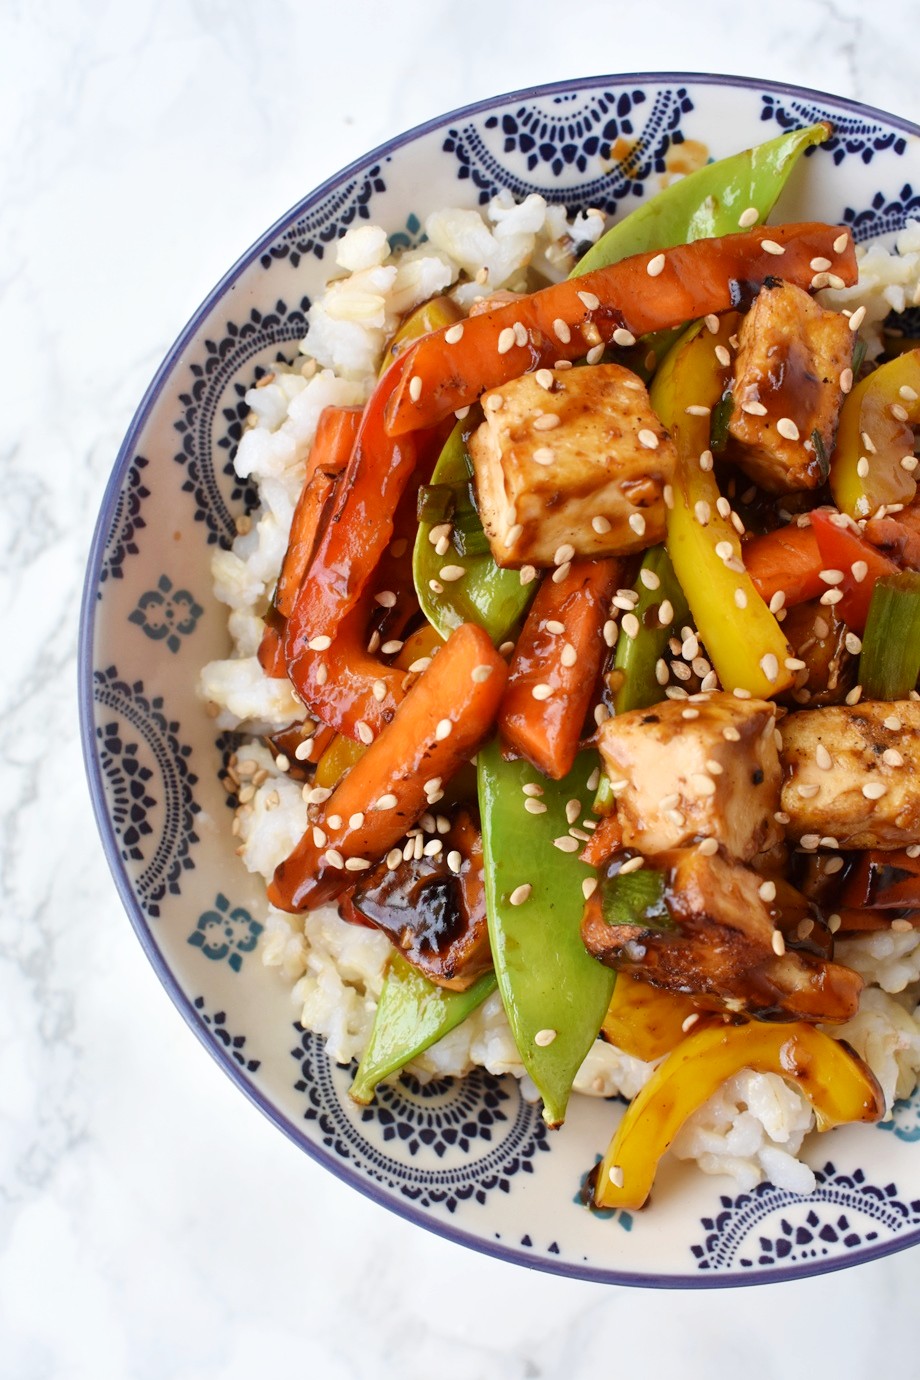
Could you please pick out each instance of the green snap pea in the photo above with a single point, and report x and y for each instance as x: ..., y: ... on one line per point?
x: 637, y: 657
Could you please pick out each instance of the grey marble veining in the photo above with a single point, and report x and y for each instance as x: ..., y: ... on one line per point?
x: 151, y: 1224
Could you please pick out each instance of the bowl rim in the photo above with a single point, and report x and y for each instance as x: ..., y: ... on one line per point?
x: 342, y: 1170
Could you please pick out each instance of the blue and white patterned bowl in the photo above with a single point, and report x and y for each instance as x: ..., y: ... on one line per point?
x: 468, y: 1159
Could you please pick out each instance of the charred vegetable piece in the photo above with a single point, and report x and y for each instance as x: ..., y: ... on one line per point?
x: 552, y: 674
x: 637, y: 657
x: 668, y: 793
x: 433, y: 315
x: 496, y: 599
x: 898, y: 537
x: 606, y: 839
x: 271, y: 648
x: 840, y: 1087
x: 445, y: 716
x: 890, y: 661
x: 880, y: 880
x: 554, y: 993
x: 433, y: 908
x: 820, y: 640
x: 699, y: 925
x: 339, y: 757
x: 786, y: 561
x: 647, y: 292
x: 336, y: 433
x: 884, y: 407
x: 708, y: 202
x: 645, y: 1021
x: 743, y: 640
x: 845, y: 550
x: 850, y: 774
x: 865, y: 921
x: 412, y: 1015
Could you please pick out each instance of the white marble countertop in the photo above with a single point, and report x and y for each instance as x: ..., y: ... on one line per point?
x: 152, y: 1224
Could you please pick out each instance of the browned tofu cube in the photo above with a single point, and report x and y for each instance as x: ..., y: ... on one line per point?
x: 851, y: 774
x: 571, y: 458
x: 678, y: 778
x: 786, y: 387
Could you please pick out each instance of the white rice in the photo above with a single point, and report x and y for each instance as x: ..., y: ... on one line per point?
x: 753, y: 1128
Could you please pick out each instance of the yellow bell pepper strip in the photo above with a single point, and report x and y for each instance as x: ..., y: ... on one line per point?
x: 554, y: 993
x: 890, y: 661
x: 647, y: 292
x: 413, y: 1013
x: 743, y: 640
x: 840, y: 1087
x: 432, y: 315
x: 484, y: 594
x: 883, y: 407
x: 637, y: 657
x: 709, y: 202
x: 645, y: 1021
x: 340, y: 756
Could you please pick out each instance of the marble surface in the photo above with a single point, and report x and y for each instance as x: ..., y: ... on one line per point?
x: 152, y: 1224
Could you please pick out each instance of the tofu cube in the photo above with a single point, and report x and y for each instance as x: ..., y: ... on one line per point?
x: 851, y: 774
x: 679, y: 779
x: 786, y: 387
x: 571, y: 457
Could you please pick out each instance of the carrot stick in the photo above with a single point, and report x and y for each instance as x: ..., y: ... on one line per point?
x: 644, y: 293
x: 443, y: 719
x: 786, y: 560
x: 545, y: 728
x: 336, y: 433
x: 606, y: 839
x: 271, y: 651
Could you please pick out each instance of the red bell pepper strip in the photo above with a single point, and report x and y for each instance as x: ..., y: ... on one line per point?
x: 786, y: 560
x: 336, y: 433
x: 545, y: 728
x: 644, y: 293
x: 444, y: 718
x: 843, y: 548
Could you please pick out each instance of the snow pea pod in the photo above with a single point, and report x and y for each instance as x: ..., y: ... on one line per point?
x: 485, y: 594
x: 412, y: 1014
x: 707, y: 203
x: 555, y: 994
x: 637, y: 657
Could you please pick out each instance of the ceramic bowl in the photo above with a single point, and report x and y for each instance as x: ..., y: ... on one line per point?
x: 469, y: 1159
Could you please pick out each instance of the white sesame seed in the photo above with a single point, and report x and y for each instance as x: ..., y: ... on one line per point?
x: 561, y: 572
x: 333, y: 858
x: 892, y: 758
x: 534, y: 807
x: 649, y: 579
x: 494, y: 402
x: 741, y: 599
x: 637, y: 523
x: 572, y: 810
x: 823, y: 757
x: 532, y: 788
x: 630, y: 624
x: 543, y: 455
x: 462, y: 412
x: 740, y: 693
x: 544, y: 1038
x: 898, y: 412
x: 590, y: 302
x: 561, y: 330
x: 857, y: 318
x: 415, y: 388
x: 913, y: 850
x: 601, y: 524
x: 841, y: 242
x: 697, y: 410
x: 874, y: 790
x: 563, y: 553
x: 632, y: 865
x: 319, y: 836
x: 893, y: 723
x: 566, y: 844
x: 520, y: 334
x: 907, y: 393
x: 611, y: 632
x: 754, y: 408
x: 451, y: 573
x: 655, y: 266
x: 547, y: 422
x: 386, y: 599
x: 832, y: 596
x: 356, y: 864
x: 723, y: 356
x: 862, y: 467
x: 778, y: 943
x: 859, y: 570
x: 777, y: 601
x: 724, y: 550
x: 392, y: 647
x: 454, y: 333
x: 770, y: 666
x: 853, y: 643
x: 588, y: 887
x: 454, y: 860
x: 820, y: 265
x: 749, y: 217
x: 667, y: 494
x: 702, y: 512
x: 320, y: 644
x: 787, y: 427
x: 623, y: 337
x: 443, y: 730
x: 648, y: 438
x: 480, y: 674
x: 706, y: 461
x: 767, y: 891
x: 544, y: 377
x: 568, y: 655
x: 520, y: 894
x: 386, y: 802
x: 702, y: 783
x: 506, y: 340
x: 665, y: 612
x: 555, y: 627
x: 394, y: 858
x: 322, y: 675
x: 846, y: 380
x: 527, y: 574
x: 595, y: 354
x: 542, y: 691
x: 909, y: 463
x: 855, y: 695
x: 771, y: 247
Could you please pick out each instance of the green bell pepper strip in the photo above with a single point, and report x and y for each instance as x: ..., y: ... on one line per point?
x: 890, y: 660
x: 707, y: 203
x: 555, y: 994
x: 637, y: 657
x: 412, y: 1015
x: 493, y: 598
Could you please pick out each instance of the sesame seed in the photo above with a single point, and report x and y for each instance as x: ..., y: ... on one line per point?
x: 741, y: 599
x: 702, y: 783
x: 702, y: 512
x: 480, y: 673
x: 859, y: 570
x: 846, y: 380
x: 771, y: 247
x: 589, y: 300
x: 667, y: 494
x: 527, y: 573
x: 637, y: 523
x: 661, y: 671
x: 561, y: 573
x: 568, y: 656
x: 451, y: 573
x: 547, y: 422
x: 364, y: 732
x: 770, y: 666
x: 386, y: 599
x: 544, y: 1038
x: 841, y: 242
x: 443, y: 730
x: 454, y: 333
x: 913, y: 850
x: 787, y: 427
x: 723, y: 356
x: 874, y: 790
x: 322, y: 675
x: 823, y: 757
x: 767, y: 891
x: 754, y: 408
x: 706, y: 461
x: 356, y: 864
x: 833, y: 596
x: 555, y: 627
x: 544, y: 377
x: 740, y: 693
x: 385, y: 802
x: 432, y: 848
x: 542, y: 691
x: 534, y: 807
x: 647, y: 438
x: 665, y: 613
x: 623, y: 337
x: 505, y: 340
x: 561, y: 330
x: 778, y: 943
x: 520, y: 334
x: 563, y: 553
x: 655, y: 266
x: 394, y: 858
x: 531, y: 788
x: 333, y: 858
x: 855, y: 695
x: 543, y: 455
x: 853, y: 643
x: 893, y: 723
x: 649, y: 579
x: 749, y: 217
x: 320, y: 644
x: 520, y: 894
x: 572, y: 810
x: 777, y: 601
x: 731, y: 734
x: 611, y: 631
x: 356, y: 820
x: 630, y: 624
x: 415, y: 388
x: 454, y: 860
x: 494, y: 402
x: 724, y: 550
x: 862, y: 467
x: 392, y: 647
x: 302, y: 750
x: 820, y: 265
x: 632, y: 865
x: 909, y: 463
x: 601, y: 524
x: 588, y: 887
x: 697, y: 410
x: 566, y: 844
x: 595, y: 354
x: 689, y: 714
x: 319, y: 836
x: 907, y: 393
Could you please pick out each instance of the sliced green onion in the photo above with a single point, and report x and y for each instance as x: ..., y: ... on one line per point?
x: 721, y: 416
x: 859, y: 355
x: 636, y: 898
x: 468, y: 536
x: 605, y: 802
x: 438, y: 502
x: 821, y: 454
x: 890, y: 660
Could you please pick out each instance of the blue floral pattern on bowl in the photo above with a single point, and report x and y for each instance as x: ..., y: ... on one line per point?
x: 472, y: 1159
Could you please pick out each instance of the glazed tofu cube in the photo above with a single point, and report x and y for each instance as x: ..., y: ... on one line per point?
x: 786, y: 387
x: 571, y: 457
x: 851, y: 774
x: 678, y: 778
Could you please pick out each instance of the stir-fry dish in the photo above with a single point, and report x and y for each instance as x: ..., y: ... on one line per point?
x: 577, y: 641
